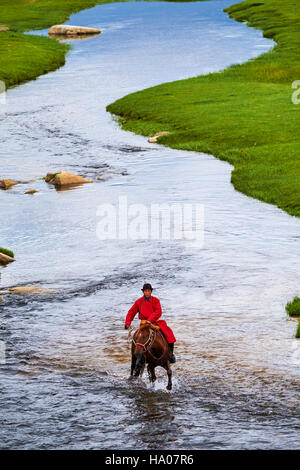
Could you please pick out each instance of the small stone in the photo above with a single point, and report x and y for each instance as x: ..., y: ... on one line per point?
x: 31, y: 191
x: 64, y: 178
x: 153, y: 140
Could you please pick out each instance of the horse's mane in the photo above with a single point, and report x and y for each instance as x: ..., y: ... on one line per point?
x: 144, y: 324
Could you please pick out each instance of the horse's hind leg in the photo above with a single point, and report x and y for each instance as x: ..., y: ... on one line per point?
x: 169, y: 372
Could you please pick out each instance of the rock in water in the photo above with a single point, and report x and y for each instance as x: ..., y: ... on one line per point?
x: 5, y: 259
x: 30, y: 290
x: 6, y: 183
x: 64, y: 178
x: 68, y: 30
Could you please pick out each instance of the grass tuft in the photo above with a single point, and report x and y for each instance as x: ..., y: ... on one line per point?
x: 293, y: 308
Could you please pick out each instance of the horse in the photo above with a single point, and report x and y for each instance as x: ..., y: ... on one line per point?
x: 149, y: 346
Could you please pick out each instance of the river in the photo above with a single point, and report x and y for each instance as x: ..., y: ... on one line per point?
x: 63, y: 385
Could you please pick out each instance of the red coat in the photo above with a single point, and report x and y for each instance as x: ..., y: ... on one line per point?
x: 151, y: 311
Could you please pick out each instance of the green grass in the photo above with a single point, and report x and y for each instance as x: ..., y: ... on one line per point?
x: 7, y: 252
x: 293, y: 308
x: 243, y: 115
x: 24, y: 57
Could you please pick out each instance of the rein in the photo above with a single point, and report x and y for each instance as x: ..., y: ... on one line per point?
x: 150, y: 340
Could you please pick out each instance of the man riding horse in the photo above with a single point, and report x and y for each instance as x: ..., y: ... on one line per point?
x: 149, y: 309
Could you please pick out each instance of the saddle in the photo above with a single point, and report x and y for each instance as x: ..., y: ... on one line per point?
x: 145, y: 323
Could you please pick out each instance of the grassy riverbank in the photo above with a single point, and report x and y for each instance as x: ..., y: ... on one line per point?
x: 243, y: 115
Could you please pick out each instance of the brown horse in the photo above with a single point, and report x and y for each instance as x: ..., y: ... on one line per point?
x: 149, y: 346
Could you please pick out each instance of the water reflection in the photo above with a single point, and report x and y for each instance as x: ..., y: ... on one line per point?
x: 73, y: 37
x: 152, y: 417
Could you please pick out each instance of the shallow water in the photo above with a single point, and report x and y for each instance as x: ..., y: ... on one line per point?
x: 64, y: 382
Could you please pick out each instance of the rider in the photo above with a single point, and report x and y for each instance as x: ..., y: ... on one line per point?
x: 149, y: 308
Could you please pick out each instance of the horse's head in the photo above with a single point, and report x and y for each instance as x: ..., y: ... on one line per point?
x: 142, y: 339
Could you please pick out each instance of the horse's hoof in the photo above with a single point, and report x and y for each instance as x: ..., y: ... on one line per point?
x: 169, y: 387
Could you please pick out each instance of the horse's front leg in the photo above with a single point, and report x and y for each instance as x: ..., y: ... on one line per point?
x: 133, y: 362
x: 169, y: 372
x: 142, y: 370
x: 151, y: 372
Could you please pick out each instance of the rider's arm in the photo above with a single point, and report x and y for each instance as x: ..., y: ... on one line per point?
x: 156, y: 314
x: 132, y: 313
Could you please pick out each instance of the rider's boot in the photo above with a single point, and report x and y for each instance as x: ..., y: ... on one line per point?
x: 172, y: 357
